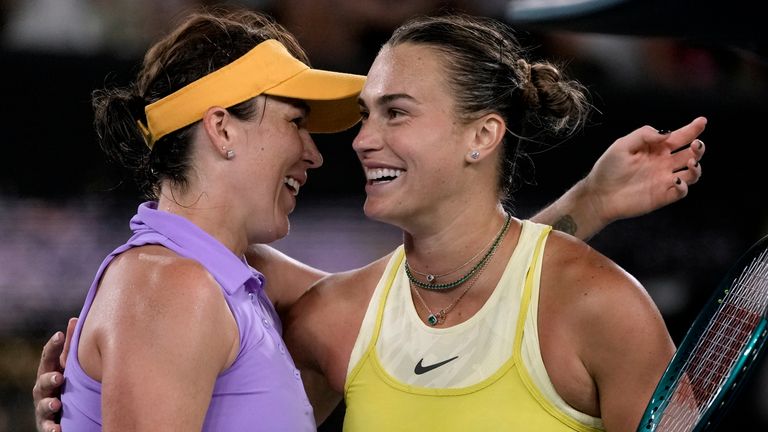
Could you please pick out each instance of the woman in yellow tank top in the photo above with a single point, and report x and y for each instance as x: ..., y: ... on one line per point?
x: 448, y: 107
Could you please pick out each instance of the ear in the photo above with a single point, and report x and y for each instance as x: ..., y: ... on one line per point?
x: 487, y: 134
x: 217, y: 125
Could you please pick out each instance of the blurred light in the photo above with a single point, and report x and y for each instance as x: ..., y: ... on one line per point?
x: 531, y: 10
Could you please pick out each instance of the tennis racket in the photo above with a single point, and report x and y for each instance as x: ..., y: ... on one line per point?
x: 720, y: 349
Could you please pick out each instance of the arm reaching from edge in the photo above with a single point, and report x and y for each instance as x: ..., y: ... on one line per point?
x: 639, y: 173
x: 288, y: 279
x: 47, y: 389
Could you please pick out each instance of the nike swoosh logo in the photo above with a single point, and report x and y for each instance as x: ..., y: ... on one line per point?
x: 421, y: 369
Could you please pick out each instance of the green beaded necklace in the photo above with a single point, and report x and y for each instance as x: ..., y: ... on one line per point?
x: 431, y: 285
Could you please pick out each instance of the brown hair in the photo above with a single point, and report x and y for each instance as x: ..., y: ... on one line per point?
x: 204, y: 42
x: 488, y: 72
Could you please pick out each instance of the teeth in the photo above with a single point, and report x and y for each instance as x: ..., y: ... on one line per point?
x: 379, y: 173
x: 293, y: 184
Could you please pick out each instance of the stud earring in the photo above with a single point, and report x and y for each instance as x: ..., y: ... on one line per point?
x: 474, y: 154
x: 229, y: 154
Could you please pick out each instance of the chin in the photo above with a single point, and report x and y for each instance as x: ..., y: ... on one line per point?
x: 380, y: 213
x: 282, y: 230
x: 271, y: 234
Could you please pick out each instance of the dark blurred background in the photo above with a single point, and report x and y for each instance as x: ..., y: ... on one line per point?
x: 657, y: 62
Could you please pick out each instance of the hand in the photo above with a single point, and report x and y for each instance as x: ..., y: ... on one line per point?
x: 50, y: 376
x: 645, y: 170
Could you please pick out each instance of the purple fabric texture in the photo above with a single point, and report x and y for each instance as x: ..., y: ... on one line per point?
x: 261, y: 391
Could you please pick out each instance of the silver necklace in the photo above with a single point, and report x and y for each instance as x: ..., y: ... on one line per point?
x: 432, y: 284
x: 433, y: 318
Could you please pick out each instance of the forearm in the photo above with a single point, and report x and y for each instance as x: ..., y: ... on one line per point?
x: 288, y: 279
x: 574, y: 213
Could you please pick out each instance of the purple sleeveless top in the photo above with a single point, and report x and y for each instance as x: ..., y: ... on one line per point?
x: 261, y: 391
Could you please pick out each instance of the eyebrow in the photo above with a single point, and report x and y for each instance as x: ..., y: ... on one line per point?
x: 296, y: 103
x: 383, y: 100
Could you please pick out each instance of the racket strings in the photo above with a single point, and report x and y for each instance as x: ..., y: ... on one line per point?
x: 714, y: 355
x: 731, y: 327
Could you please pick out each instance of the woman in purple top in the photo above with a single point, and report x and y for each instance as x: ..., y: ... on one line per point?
x: 176, y: 332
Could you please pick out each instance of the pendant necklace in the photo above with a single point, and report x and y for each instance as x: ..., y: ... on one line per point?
x: 433, y: 318
x: 432, y: 284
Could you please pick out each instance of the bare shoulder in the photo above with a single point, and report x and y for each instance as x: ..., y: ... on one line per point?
x: 157, y: 277
x: 342, y: 296
x: 149, y: 290
x: 353, y: 286
x: 150, y: 297
x: 603, y: 331
x: 576, y: 271
x: 592, y: 294
x: 322, y: 327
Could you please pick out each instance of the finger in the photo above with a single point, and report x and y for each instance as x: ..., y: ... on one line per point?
x: 70, y: 332
x: 680, y: 159
x: 678, y: 190
x: 681, y: 138
x: 48, y: 407
x: 47, y: 385
x: 693, y: 173
x: 698, y: 148
x: 49, y: 426
x: 49, y: 359
x: 45, y: 410
x: 680, y: 149
x: 638, y: 139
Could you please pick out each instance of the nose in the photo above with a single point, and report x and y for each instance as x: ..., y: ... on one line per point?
x: 367, y: 139
x: 312, y: 155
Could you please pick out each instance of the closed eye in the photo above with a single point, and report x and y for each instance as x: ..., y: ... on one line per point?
x: 394, y: 114
x: 299, y: 121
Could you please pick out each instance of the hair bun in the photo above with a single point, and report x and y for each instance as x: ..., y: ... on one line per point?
x: 530, y: 93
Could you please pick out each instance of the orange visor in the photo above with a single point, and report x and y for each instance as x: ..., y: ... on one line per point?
x: 266, y: 69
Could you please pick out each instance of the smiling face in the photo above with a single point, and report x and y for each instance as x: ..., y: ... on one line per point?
x: 274, y: 157
x: 411, y: 144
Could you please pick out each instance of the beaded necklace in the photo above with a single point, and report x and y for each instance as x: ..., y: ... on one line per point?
x: 431, y: 278
x: 433, y: 318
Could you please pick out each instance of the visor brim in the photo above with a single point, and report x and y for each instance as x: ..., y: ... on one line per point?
x: 331, y: 96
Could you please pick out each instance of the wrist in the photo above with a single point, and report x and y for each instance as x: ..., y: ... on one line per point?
x: 589, y: 209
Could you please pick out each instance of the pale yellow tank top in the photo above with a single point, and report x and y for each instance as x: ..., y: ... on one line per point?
x: 485, y: 374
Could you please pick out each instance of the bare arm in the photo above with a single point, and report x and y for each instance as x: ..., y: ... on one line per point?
x: 639, y: 173
x: 626, y: 354
x: 157, y: 336
x: 287, y: 278
x: 322, y: 328
x: 603, y: 341
x: 308, y: 341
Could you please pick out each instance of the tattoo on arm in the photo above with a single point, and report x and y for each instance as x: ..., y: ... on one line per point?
x: 566, y: 224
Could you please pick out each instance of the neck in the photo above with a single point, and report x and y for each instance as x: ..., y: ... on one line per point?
x: 451, y: 241
x: 198, y: 208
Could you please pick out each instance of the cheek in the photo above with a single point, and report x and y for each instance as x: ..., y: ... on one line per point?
x: 287, y: 143
x: 278, y: 147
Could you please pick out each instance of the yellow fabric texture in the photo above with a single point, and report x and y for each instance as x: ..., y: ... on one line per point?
x: 266, y: 69
x: 506, y: 401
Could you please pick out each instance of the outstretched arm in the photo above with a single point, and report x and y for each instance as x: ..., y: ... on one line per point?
x: 288, y: 279
x: 637, y: 174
